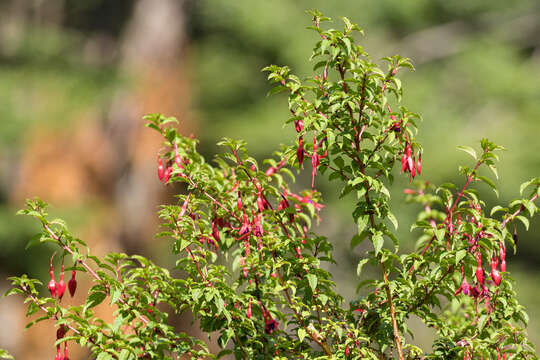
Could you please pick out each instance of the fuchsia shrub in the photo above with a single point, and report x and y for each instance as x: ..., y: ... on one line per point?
x: 253, y: 266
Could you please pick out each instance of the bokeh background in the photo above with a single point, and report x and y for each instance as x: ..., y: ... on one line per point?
x: 76, y: 76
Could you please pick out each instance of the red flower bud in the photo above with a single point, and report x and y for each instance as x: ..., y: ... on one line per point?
x: 270, y: 325
x: 61, y: 285
x: 260, y: 202
x: 58, y: 355
x: 495, y: 275
x: 403, y: 163
x: 239, y: 201
x: 161, y: 169
x: 61, y: 332
x: 347, y: 350
x: 249, y: 309
x: 167, y: 175
x: 479, y: 270
x: 271, y: 170
x: 177, y: 158
x: 299, y: 125
x: 502, y: 252
x: 72, y: 284
x: 419, y: 164
x: 300, y: 152
x: 66, y: 351
x: 215, y: 230
x: 52, y: 285
x: 475, y: 291
x: 503, y: 265
x: 410, y: 164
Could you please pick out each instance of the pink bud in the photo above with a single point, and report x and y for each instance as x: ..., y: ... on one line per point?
x: 479, y: 270
x: 239, y: 201
x: 58, y: 355
x: 260, y: 202
x: 299, y: 125
x: 271, y: 170
x: 66, y: 351
x: 61, y: 285
x: 249, y: 309
x: 161, y: 169
x: 215, y: 231
x: 167, y: 175
x: 496, y: 276
x: 503, y: 265
x: 403, y: 163
x: 410, y: 164
x: 502, y: 251
x: 419, y: 164
x: 61, y: 332
x: 177, y: 158
x: 52, y: 285
x: 300, y: 151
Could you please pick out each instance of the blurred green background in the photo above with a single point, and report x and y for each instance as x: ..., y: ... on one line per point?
x: 76, y: 76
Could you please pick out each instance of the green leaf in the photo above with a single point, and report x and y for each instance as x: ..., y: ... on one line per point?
x: 301, y: 334
x: 362, y: 221
x: 469, y: 150
x: 494, y: 171
x: 439, y: 234
x: 95, y: 299
x: 393, y: 220
x: 460, y: 254
x: 496, y: 209
x: 524, y: 186
x: 378, y: 242
x: 104, y: 356
x: 524, y: 220
x: 361, y: 264
x: 312, y: 279
x: 490, y: 183
x: 124, y: 355
x: 357, y: 239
